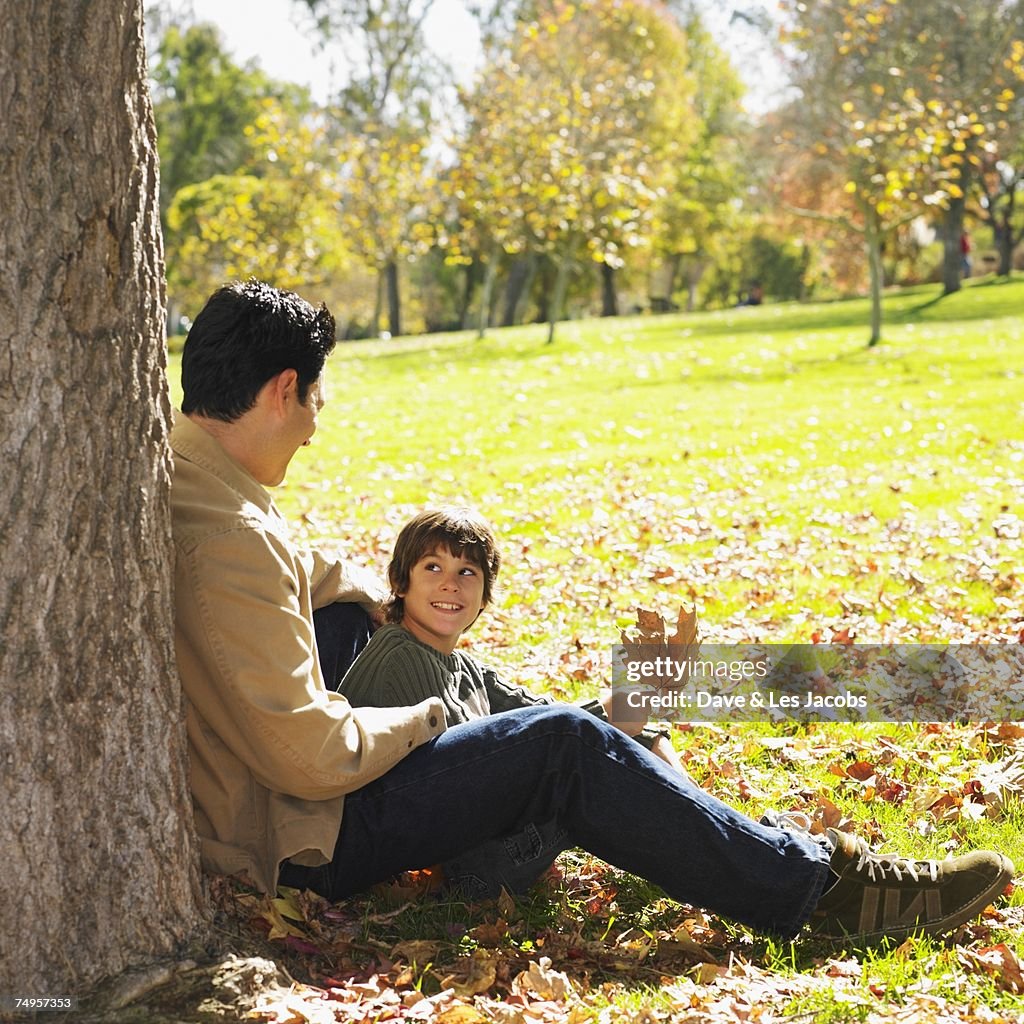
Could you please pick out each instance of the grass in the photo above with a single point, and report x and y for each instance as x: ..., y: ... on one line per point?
x: 766, y: 466
x: 761, y: 462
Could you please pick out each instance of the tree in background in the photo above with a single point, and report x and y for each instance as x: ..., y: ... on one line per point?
x: 202, y: 103
x: 858, y: 124
x: 1001, y: 170
x: 969, y: 72
x: 383, y: 120
x: 701, y: 206
x: 902, y: 97
x: 1000, y: 183
x: 385, y: 182
x: 100, y: 861
x: 244, y: 189
x: 573, y: 126
x: 275, y: 219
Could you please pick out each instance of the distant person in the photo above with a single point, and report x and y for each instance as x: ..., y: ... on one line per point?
x: 292, y: 784
x: 965, y: 254
x: 754, y: 297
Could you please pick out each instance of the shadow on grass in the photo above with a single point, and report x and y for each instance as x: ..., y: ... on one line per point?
x: 978, y: 300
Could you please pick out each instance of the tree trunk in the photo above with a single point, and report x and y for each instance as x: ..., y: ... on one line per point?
x: 1002, y: 236
x: 952, y: 257
x: 558, y: 298
x: 394, y: 300
x: 520, y: 278
x: 694, y: 272
x: 1005, y: 237
x: 469, y: 282
x: 100, y: 864
x: 490, y: 272
x: 609, y: 298
x: 873, y: 241
x: 546, y: 271
x: 378, y: 305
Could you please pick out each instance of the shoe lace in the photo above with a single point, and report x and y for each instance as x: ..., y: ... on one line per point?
x: 878, y: 864
x: 796, y: 821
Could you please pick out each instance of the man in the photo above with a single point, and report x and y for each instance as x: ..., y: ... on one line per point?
x: 290, y: 782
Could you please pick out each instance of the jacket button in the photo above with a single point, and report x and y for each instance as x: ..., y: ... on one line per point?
x: 433, y: 721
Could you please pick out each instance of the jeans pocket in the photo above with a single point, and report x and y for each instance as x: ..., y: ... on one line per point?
x: 533, y: 843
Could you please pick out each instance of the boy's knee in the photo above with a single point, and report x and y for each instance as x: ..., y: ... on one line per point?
x: 575, y: 720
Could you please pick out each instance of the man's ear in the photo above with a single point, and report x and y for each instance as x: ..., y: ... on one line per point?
x: 281, y: 389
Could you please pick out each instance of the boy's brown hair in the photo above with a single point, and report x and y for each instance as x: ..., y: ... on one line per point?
x: 463, y: 532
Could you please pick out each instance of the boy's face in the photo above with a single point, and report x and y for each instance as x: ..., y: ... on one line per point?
x: 444, y: 597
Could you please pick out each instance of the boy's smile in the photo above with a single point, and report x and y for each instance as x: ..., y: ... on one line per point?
x: 444, y: 597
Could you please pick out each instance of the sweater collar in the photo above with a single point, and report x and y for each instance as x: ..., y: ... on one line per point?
x: 452, y: 662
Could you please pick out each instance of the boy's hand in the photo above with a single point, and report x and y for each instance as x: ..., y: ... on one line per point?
x: 623, y: 717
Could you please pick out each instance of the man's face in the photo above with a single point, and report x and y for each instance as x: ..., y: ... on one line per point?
x: 295, y: 430
x: 316, y: 399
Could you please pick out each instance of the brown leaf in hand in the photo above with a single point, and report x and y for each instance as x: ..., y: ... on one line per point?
x: 686, y: 628
x: 652, y: 630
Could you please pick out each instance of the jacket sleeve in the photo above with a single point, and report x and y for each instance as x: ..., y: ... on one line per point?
x: 248, y: 661
x: 335, y: 579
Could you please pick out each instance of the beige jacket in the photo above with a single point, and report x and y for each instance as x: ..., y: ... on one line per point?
x: 273, y: 752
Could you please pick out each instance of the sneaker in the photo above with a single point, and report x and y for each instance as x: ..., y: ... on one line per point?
x: 884, y: 896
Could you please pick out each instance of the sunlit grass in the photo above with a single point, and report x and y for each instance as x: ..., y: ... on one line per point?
x: 765, y: 458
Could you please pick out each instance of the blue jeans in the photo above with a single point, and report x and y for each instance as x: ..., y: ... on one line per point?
x: 342, y: 631
x: 527, y: 784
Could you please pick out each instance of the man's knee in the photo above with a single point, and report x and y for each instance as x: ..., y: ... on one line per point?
x: 342, y: 630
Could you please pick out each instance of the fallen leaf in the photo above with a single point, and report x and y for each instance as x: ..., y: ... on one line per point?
x: 999, y: 962
x: 461, y: 1014
x: 544, y: 982
x: 475, y: 976
x: 416, y: 951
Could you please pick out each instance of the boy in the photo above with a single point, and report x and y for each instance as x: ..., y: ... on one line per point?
x: 442, y: 575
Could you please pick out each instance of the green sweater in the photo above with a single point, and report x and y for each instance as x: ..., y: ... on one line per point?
x: 397, y: 670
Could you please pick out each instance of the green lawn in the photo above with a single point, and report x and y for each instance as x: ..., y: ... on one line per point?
x: 766, y: 466
x: 761, y: 462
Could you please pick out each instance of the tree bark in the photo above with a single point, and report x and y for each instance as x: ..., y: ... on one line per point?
x: 469, y: 282
x: 520, y: 279
x: 1006, y: 238
x: 490, y: 272
x: 100, y: 865
x: 558, y: 299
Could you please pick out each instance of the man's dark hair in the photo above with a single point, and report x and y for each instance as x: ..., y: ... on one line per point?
x: 463, y: 532
x: 246, y: 334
